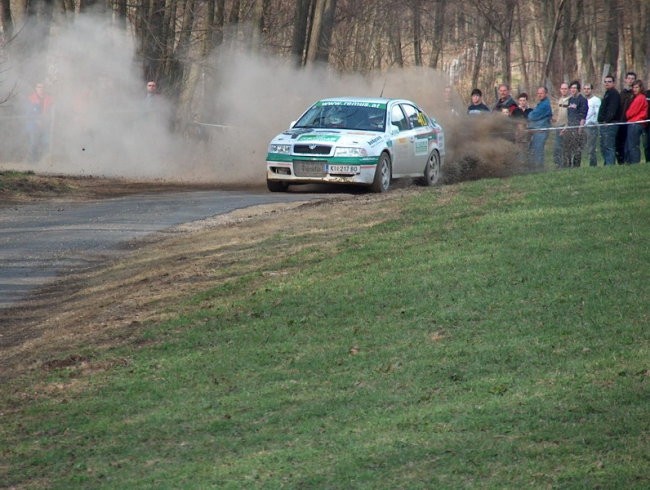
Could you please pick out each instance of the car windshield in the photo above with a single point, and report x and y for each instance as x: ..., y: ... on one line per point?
x: 364, y: 116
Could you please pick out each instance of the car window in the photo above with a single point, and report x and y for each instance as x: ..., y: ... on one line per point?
x: 416, y: 118
x: 398, y: 118
x: 344, y: 115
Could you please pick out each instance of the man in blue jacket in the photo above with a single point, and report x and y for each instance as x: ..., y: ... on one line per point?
x: 539, y: 119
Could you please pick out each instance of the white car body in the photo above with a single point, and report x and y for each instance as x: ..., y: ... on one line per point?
x: 357, y: 141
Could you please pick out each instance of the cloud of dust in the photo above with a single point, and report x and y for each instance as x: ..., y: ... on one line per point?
x: 103, y: 127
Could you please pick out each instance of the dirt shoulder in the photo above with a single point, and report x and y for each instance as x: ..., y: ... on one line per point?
x: 22, y: 187
x: 94, y: 309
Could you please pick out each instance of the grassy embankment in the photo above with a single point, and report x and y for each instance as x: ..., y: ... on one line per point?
x: 498, y: 338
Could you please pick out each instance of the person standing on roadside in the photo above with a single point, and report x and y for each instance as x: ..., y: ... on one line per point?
x: 591, y: 130
x: 636, y: 112
x: 609, y: 114
x: 560, y: 122
x: 520, y: 118
x: 539, y: 119
x: 477, y: 106
x: 151, y: 97
x: 506, y: 104
x: 576, y: 116
x: 626, y: 100
x: 39, y: 109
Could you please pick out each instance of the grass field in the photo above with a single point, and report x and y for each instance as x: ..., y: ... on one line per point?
x: 495, y: 336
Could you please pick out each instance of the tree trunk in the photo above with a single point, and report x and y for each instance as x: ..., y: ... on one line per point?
x: 610, y: 53
x: 120, y: 12
x: 583, y: 18
x: 417, y: 31
x: 479, y: 54
x: 325, y: 39
x: 395, y: 42
x: 258, y: 24
x: 299, y: 42
x: 6, y: 19
x: 552, y: 40
x: 522, y: 51
x: 315, y: 29
x: 438, y: 34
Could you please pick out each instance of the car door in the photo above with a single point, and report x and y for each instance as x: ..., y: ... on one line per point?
x: 402, y: 141
x: 419, y: 138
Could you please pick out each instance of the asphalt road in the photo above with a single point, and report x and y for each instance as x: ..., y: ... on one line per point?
x: 39, y: 242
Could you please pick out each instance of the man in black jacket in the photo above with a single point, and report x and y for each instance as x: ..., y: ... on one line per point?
x: 626, y: 99
x: 610, y: 112
x: 576, y: 118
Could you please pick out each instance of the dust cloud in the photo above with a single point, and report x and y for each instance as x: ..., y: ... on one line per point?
x: 101, y: 125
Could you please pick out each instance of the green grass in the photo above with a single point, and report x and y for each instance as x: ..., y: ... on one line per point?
x: 495, y: 340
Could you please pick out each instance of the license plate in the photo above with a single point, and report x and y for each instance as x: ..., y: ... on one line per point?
x: 309, y: 168
x: 343, y: 169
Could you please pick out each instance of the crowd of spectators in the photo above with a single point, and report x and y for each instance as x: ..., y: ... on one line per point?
x: 617, y: 122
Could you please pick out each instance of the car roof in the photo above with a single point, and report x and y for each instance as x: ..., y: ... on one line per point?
x: 370, y: 100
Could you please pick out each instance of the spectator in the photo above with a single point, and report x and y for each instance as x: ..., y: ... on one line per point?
x: 560, y: 121
x: 609, y: 114
x: 477, y: 106
x: 591, y: 130
x: 520, y: 116
x: 39, y: 108
x: 505, y: 104
x: 151, y: 97
x: 576, y: 116
x: 539, y: 119
x: 626, y: 99
x: 636, y: 112
x: 523, y: 109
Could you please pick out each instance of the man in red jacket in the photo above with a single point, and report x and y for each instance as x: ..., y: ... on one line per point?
x: 39, y: 108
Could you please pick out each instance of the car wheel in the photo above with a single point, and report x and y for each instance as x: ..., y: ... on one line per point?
x: 381, y: 182
x: 432, y: 169
x: 276, y: 186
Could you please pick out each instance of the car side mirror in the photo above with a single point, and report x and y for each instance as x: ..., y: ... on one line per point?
x: 394, y: 130
x: 293, y: 123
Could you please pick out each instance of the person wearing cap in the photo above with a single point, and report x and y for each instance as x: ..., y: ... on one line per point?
x: 477, y: 106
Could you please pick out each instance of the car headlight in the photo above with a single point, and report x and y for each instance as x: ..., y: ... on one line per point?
x: 280, y: 148
x: 350, y: 152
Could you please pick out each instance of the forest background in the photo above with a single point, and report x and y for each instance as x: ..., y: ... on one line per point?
x: 219, y: 62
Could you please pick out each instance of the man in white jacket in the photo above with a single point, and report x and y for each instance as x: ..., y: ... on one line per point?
x: 591, y: 123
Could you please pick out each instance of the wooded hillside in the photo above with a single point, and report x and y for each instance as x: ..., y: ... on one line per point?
x: 475, y: 43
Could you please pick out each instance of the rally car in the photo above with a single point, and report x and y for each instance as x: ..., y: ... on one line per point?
x: 357, y: 141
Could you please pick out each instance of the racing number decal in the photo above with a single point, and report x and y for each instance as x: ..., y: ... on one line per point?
x: 421, y: 146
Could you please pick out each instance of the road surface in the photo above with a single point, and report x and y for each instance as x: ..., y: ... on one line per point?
x: 41, y: 241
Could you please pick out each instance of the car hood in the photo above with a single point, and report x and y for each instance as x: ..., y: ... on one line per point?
x: 340, y: 137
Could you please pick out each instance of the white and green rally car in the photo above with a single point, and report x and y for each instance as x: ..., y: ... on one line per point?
x: 358, y: 141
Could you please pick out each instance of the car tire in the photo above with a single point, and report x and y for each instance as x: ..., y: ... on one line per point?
x: 381, y: 182
x: 276, y: 186
x: 432, y: 170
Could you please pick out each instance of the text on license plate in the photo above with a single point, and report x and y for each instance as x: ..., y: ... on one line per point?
x: 343, y: 169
